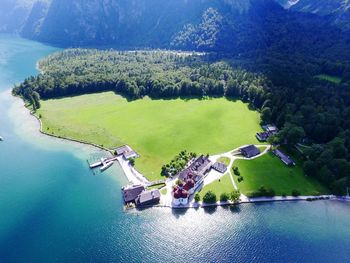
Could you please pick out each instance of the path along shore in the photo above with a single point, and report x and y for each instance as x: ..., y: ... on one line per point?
x: 260, y: 200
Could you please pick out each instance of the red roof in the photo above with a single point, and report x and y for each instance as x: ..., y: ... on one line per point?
x: 184, y: 194
x: 187, y: 187
x: 177, y: 194
x: 190, y: 182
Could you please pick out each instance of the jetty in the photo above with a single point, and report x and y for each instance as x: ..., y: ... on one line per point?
x: 94, y: 165
x: 105, y: 163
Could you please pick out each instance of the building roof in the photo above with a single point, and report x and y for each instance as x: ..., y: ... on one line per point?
x: 130, y: 154
x: 189, y: 184
x: 177, y: 194
x: 250, y: 151
x: 180, y: 193
x: 284, y: 158
x: 220, y: 167
x: 184, y: 194
x: 196, y: 169
x: 270, y: 128
x: 148, y: 197
x: 262, y: 136
x: 121, y: 150
x: 132, y: 192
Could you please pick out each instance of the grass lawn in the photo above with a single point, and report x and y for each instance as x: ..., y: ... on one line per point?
x: 156, y: 129
x: 157, y: 186
x: 225, y: 160
x: 333, y: 79
x: 164, y: 191
x: 218, y: 187
x: 270, y: 172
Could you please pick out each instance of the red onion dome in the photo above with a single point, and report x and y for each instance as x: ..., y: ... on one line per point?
x: 184, y: 194
x: 187, y: 187
x: 177, y: 194
x: 190, y: 182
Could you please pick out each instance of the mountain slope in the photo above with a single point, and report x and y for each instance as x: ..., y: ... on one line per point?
x: 259, y: 34
x: 13, y: 14
x: 337, y: 10
x: 121, y: 22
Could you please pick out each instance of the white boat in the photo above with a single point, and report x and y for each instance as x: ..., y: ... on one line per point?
x: 94, y: 165
x: 106, y: 166
x: 1, y: 138
x: 102, y: 162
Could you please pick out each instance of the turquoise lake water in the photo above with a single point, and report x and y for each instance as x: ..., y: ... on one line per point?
x: 53, y: 209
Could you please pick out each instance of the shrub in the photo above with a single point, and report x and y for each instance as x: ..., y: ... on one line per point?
x: 252, y: 194
x: 224, y: 197
x: 295, y: 193
x: 262, y: 191
x: 132, y: 161
x: 178, y: 181
x: 240, y: 179
x: 235, y: 195
x: 236, y: 170
x: 209, y: 197
x: 271, y: 192
x: 197, y: 198
x: 284, y: 195
x: 177, y: 163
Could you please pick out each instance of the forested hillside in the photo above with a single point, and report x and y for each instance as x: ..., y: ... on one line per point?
x: 158, y: 74
x: 262, y: 36
x: 237, y: 26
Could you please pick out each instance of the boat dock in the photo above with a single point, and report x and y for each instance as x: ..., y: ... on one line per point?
x: 105, y: 163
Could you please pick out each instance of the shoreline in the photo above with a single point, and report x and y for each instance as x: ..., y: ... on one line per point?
x: 130, y: 173
x: 66, y: 138
x: 256, y: 200
x: 137, y: 178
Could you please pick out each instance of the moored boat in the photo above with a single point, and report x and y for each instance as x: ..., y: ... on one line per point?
x: 106, y: 166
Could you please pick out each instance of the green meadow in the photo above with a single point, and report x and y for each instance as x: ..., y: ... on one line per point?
x: 221, y: 186
x: 270, y: 172
x: 156, y: 129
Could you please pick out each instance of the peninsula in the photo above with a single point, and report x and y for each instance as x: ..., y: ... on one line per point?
x: 168, y: 109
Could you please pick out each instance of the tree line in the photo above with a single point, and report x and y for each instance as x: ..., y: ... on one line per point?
x: 137, y: 74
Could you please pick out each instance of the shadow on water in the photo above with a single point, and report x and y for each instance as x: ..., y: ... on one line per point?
x: 210, y: 209
x: 235, y: 209
x: 179, y: 212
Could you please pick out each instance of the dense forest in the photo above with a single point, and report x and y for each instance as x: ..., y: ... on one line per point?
x: 314, y: 115
x: 157, y: 74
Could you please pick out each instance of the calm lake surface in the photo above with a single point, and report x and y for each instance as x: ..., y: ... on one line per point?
x: 53, y: 209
